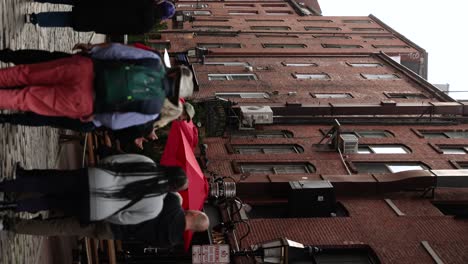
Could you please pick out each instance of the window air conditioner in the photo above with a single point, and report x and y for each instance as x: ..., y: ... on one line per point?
x: 252, y: 115
x: 349, y: 144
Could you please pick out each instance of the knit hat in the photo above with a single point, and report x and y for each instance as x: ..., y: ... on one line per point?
x: 188, y: 108
x: 166, y: 10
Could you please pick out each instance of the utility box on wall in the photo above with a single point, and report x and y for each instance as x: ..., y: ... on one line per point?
x: 311, y: 199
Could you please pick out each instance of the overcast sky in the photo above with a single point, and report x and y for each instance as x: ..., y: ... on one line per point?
x: 436, y: 26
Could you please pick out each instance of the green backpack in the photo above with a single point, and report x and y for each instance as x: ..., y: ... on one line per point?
x: 126, y: 87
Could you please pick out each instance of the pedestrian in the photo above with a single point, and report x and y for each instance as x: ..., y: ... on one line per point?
x: 126, y: 189
x: 106, y: 16
x: 142, y: 98
x: 165, y: 230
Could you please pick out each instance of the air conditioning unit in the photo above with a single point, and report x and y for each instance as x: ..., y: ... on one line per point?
x: 256, y: 115
x: 311, y: 199
x: 349, y: 144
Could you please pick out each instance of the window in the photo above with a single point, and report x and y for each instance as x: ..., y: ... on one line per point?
x: 367, y: 29
x: 239, y: 5
x: 243, y: 95
x: 226, y: 63
x: 192, y: 5
x: 219, y: 45
x: 380, y: 76
x: 454, y: 150
x: 270, y: 28
x: 364, y: 255
x: 264, y: 20
x: 267, y: 149
x: 377, y: 37
x: 315, y: 20
x: 390, y: 46
x: 322, y: 28
x: 160, y: 45
x: 278, y: 12
x: 332, y: 95
x: 331, y: 37
x: 455, y: 208
x: 341, y: 46
x: 283, y: 46
x: 444, y: 134
x: 211, y: 27
x: 232, y: 77
x: 243, y: 12
x: 365, y: 64
x: 382, y: 149
x: 276, y: 36
x: 370, y: 134
x: 196, y: 12
x: 294, y: 64
x: 357, y: 21
x: 312, y: 76
x: 277, y: 168
x: 388, y: 167
x: 264, y: 134
x: 273, y: 5
x: 406, y: 95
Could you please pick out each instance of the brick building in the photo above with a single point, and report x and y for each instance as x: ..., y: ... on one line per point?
x: 290, y: 100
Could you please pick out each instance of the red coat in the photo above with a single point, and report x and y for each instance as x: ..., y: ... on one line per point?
x: 62, y: 87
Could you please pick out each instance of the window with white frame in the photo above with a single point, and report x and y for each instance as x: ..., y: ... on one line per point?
x: 322, y: 28
x: 390, y: 46
x: 332, y: 95
x: 263, y: 134
x: 283, y: 45
x: 406, y: 95
x: 227, y: 63
x: 242, y: 12
x: 369, y: 133
x: 219, y: 45
x: 367, y: 29
x: 377, y: 37
x: 380, y: 76
x: 311, y: 76
x: 267, y: 149
x: 192, y: 5
x: 299, y: 64
x: 277, y: 168
x: 245, y: 95
x: 232, y: 77
x: 454, y: 150
x: 444, y: 134
x: 196, y: 12
x: 388, y: 167
x: 270, y: 28
x: 341, y: 46
x: 365, y: 64
x: 383, y: 149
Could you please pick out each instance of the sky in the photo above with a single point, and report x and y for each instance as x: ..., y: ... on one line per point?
x: 436, y: 26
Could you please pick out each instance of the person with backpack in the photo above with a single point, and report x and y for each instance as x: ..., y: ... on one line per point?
x: 106, y: 16
x: 122, y: 189
x: 165, y: 230
x: 122, y: 79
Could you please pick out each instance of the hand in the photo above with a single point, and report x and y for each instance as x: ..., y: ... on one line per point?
x: 152, y: 135
x: 139, y: 142
x: 83, y: 47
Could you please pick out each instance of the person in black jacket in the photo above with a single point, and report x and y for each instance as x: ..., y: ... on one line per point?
x: 166, y: 230
x: 106, y: 16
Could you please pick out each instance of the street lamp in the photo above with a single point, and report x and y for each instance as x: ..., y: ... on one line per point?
x: 280, y: 251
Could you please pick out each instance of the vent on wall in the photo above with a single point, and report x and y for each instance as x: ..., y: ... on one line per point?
x: 349, y: 144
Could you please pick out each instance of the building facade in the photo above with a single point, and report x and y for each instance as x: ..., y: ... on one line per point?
x: 329, y: 130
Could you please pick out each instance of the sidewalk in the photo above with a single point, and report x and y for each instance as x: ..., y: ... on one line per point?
x: 34, y: 147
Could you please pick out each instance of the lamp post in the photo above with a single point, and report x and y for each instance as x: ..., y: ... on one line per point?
x: 279, y: 251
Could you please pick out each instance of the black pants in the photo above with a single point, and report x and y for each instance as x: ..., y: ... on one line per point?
x: 33, y: 119
x: 64, y: 190
x: 29, y: 56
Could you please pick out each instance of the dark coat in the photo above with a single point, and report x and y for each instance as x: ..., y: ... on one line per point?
x: 114, y: 17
